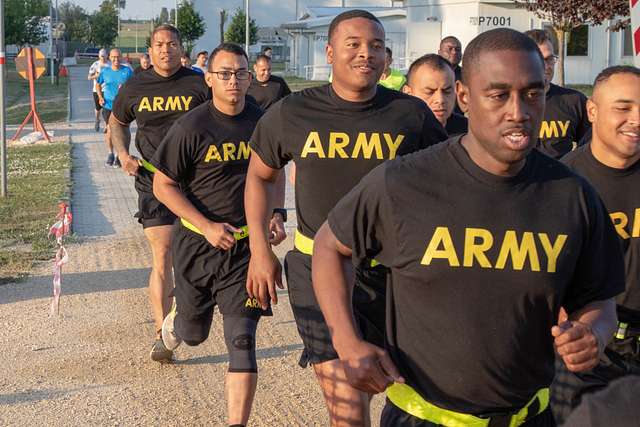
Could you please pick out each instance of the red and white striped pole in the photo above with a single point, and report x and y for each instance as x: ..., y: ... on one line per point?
x: 634, y: 7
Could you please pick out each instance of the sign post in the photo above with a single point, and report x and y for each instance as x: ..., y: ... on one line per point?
x: 634, y: 8
x: 31, y: 65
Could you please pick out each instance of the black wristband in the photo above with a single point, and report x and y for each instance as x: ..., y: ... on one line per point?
x: 282, y: 212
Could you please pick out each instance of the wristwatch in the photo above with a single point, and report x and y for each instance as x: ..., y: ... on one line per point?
x: 282, y: 212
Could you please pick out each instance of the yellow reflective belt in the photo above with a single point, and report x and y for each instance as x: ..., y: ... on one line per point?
x: 407, y: 399
x: 305, y: 245
x: 238, y: 236
x: 621, y: 333
x: 148, y: 166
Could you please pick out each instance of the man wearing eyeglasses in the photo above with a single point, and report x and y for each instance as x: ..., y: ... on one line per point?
x: 155, y: 99
x: 565, y: 118
x: 201, y: 169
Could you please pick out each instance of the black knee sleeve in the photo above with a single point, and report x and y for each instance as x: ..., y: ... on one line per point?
x: 240, y: 338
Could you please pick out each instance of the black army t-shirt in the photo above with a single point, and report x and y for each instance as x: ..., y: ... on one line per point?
x: 207, y: 153
x: 334, y: 143
x: 480, y: 266
x: 268, y: 93
x: 565, y: 121
x: 620, y: 191
x: 155, y: 102
x: 457, y: 124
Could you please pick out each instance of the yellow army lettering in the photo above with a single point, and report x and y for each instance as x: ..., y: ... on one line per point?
x: 160, y: 103
x: 620, y: 222
x: 554, y: 128
x: 252, y: 303
x: 229, y: 152
x: 365, y: 146
x: 478, y: 241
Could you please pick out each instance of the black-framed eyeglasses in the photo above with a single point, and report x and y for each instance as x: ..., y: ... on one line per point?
x: 226, y: 75
x: 551, y: 60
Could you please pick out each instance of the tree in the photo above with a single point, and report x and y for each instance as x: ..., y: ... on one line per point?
x: 236, y: 34
x: 223, y: 21
x: 24, y: 23
x: 190, y: 24
x: 104, y: 24
x: 567, y: 15
x: 164, y: 16
x: 76, y: 21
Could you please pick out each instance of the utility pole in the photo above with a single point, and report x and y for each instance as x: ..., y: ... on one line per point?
x: 3, y: 134
x: 246, y: 26
x: 136, y: 34
x: 175, y: 15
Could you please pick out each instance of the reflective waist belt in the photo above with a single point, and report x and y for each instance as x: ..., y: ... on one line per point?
x: 238, y: 236
x: 625, y: 330
x: 407, y: 399
x: 305, y: 245
x: 148, y: 166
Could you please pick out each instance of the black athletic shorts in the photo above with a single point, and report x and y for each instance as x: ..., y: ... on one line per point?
x: 620, y: 358
x: 206, y: 277
x: 96, y: 101
x: 151, y: 212
x: 106, y: 114
x: 393, y: 416
x: 369, y: 308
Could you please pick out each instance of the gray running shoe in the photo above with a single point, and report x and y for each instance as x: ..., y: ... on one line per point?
x: 97, y: 126
x: 110, y: 159
x: 169, y: 337
x: 116, y: 163
x: 160, y: 353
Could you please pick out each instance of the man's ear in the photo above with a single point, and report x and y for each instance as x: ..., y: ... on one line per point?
x: 592, y: 110
x: 329, y: 51
x: 407, y: 89
x: 462, y: 94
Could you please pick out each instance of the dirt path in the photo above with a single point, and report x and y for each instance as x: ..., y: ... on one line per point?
x: 90, y: 366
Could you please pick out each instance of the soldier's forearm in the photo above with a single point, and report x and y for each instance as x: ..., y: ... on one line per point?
x: 120, y: 136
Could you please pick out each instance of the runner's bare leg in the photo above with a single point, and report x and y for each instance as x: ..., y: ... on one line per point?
x: 348, y: 407
x: 240, y: 387
x: 161, y: 278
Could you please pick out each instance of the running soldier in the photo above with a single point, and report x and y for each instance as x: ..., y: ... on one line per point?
x: 145, y: 64
x: 611, y: 163
x: 431, y: 79
x: 565, y: 120
x: 336, y: 134
x: 486, y: 238
x: 201, y: 170
x: 266, y: 88
x: 155, y: 99
x: 391, y: 78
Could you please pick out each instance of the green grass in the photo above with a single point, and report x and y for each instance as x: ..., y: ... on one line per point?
x: 37, y: 181
x: 51, y: 100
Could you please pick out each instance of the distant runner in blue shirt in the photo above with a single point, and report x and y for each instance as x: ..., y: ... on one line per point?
x: 109, y: 83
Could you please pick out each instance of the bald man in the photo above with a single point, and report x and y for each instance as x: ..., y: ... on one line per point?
x: 108, y: 84
x: 611, y: 163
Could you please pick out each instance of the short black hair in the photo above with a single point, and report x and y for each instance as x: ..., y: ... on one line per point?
x: 433, y: 60
x: 499, y: 39
x: 539, y: 36
x: 202, y: 52
x: 266, y: 48
x: 167, y: 27
x: 450, y: 39
x: 607, y: 73
x: 262, y: 57
x: 351, y: 14
x: 228, y: 47
x: 389, y: 52
x: 185, y: 56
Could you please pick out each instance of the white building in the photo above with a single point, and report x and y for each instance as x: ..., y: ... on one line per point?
x: 309, y: 37
x: 418, y: 28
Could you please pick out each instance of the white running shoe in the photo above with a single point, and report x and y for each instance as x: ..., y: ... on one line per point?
x: 169, y: 337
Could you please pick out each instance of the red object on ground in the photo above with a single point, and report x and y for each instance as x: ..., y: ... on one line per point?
x: 63, y: 71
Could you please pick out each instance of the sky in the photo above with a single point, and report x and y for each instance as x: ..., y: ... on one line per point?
x: 142, y: 9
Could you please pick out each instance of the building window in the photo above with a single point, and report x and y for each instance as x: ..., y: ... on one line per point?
x: 578, y: 41
x: 627, y: 43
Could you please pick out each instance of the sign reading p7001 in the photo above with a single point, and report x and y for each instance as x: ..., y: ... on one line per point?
x: 491, y: 21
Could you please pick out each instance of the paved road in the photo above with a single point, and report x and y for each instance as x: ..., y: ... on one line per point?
x: 91, y: 365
